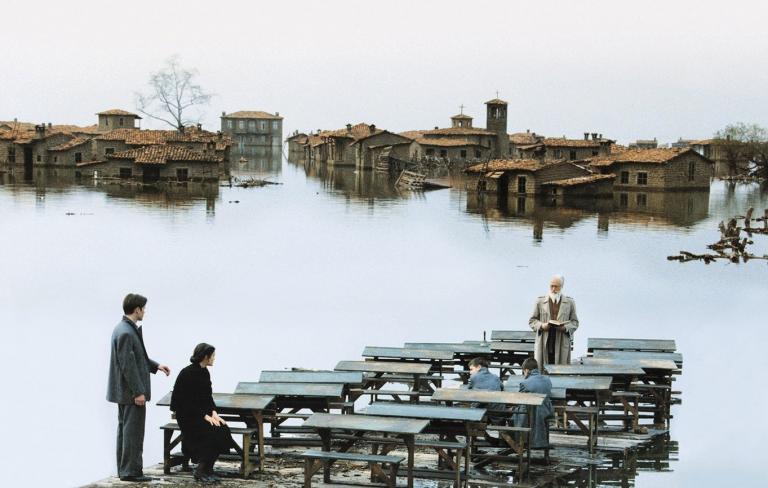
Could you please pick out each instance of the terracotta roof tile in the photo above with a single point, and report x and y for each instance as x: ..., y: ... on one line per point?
x: 72, y: 143
x: 251, y: 114
x: 462, y: 116
x: 161, y: 154
x: 580, y: 180
x: 523, y: 138
x: 657, y: 156
x: 139, y: 137
x: 445, y: 141
x: 508, y: 165
x: 459, y: 131
x: 561, y: 142
x: 117, y: 111
x: 358, y: 131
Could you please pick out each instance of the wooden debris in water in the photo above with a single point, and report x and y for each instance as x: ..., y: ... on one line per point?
x: 249, y: 182
x: 731, y: 245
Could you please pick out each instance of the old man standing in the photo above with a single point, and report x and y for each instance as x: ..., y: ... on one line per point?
x: 554, y: 321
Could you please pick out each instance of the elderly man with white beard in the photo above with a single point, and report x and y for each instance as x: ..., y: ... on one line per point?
x: 554, y: 321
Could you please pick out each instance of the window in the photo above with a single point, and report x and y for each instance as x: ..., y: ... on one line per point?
x: 478, y: 154
x: 252, y: 126
x: 642, y: 178
x: 263, y: 125
x: 594, y: 153
x: 120, y: 122
x: 443, y: 153
x: 126, y: 172
x: 430, y: 152
x: 691, y: 170
x: 11, y: 154
x: 623, y: 200
x: 182, y: 174
x: 39, y: 158
x: 558, y: 153
x: 275, y: 125
x: 78, y: 157
x: 572, y: 154
x: 275, y: 141
x: 521, y: 183
x: 109, y: 150
x: 241, y: 124
x: 463, y: 153
x: 230, y: 124
x: 624, y: 177
x: 642, y: 200
x: 55, y: 159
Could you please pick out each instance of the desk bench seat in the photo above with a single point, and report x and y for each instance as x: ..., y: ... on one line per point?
x: 314, y: 460
x: 174, y: 459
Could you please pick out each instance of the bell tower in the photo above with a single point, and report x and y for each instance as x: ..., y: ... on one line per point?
x: 496, y: 121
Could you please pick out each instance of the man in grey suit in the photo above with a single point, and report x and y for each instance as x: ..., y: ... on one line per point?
x: 535, y: 382
x: 554, y: 321
x: 129, y: 386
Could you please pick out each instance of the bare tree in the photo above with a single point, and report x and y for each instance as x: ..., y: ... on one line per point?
x: 172, y: 94
x: 745, y: 144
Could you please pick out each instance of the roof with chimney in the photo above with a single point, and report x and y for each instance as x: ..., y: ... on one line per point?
x: 651, y: 156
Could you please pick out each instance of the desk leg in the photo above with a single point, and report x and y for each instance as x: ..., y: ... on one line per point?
x: 260, y: 424
x: 325, y: 436
x: 409, y: 444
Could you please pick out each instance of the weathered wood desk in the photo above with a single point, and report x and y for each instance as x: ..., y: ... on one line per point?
x: 438, y: 358
x: 513, y: 336
x: 653, y: 345
x: 611, y: 354
x: 349, y: 379
x: 380, y: 373
x: 446, y: 422
x: 249, y: 409
x: 327, y: 425
x: 292, y: 398
x: 531, y: 401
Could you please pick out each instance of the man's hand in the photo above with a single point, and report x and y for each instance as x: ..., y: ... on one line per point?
x: 545, y: 326
x: 140, y: 400
x: 165, y: 369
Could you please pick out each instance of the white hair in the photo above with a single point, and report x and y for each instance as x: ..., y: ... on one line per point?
x: 559, y: 278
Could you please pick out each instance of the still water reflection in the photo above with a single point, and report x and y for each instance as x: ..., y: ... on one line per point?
x: 308, y: 272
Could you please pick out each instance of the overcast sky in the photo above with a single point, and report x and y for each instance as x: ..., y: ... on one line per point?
x: 626, y: 69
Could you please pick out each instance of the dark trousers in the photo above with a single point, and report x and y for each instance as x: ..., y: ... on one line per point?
x: 130, y: 439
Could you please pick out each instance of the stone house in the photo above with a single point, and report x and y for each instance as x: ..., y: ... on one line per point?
x: 521, y: 139
x: 644, y: 144
x: 557, y: 148
x: 522, y: 177
x: 71, y: 152
x: 117, y: 119
x: 655, y: 169
x: 296, y: 143
x: 253, y: 132
x: 367, y: 146
x: 463, y: 145
x: 192, y: 138
x: 159, y: 162
x: 729, y: 156
x: 336, y: 147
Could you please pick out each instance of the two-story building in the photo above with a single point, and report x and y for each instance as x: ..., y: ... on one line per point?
x: 561, y: 148
x: 253, y: 132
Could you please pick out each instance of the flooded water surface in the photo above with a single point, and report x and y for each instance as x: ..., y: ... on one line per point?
x: 308, y: 272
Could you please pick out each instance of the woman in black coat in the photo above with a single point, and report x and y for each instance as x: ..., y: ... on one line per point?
x: 205, y: 435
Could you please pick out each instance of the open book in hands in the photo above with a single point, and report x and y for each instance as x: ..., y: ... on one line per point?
x: 556, y: 323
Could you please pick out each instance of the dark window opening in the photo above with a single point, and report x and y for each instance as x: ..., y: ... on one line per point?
x: 558, y: 153
x: 443, y: 153
x: 623, y: 200
x: 594, y: 153
x: 521, y: 183
x: 642, y: 178
x: 463, y: 153
x: 39, y: 158
x: 109, y: 150
x: 642, y: 200
x: 182, y: 174
x: 55, y: 159
x: 625, y: 177
x: 78, y: 157
x: 11, y: 154
x: 120, y: 121
x: 126, y: 172
x: 572, y: 154
x: 430, y: 152
x: 691, y: 170
x: 478, y: 154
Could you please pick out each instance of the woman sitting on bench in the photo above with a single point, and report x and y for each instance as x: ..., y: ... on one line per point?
x: 205, y: 435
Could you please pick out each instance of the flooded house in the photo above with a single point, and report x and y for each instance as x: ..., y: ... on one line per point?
x: 117, y: 119
x: 337, y: 147
x: 193, y: 138
x: 521, y: 177
x: 367, y: 147
x: 29, y: 145
x: 556, y: 148
x: 728, y: 156
x: 521, y: 139
x: 253, y: 132
x: 157, y: 162
x: 655, y: 169
x: 296, y: 143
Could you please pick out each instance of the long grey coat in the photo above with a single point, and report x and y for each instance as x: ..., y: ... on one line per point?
x: 129, y: 365
x: 536, y: 383
x: 540, y: 316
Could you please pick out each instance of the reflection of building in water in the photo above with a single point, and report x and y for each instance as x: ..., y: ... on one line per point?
x: 169, y: 195
x: 266, y: 163
x: 678, y: 209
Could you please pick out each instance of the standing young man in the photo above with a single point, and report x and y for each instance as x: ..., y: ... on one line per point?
x: 130, y: 387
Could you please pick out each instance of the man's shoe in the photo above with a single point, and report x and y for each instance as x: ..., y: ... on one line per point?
x: 136, y: 479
